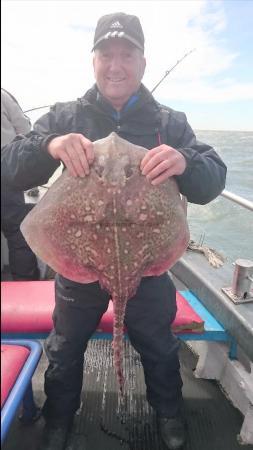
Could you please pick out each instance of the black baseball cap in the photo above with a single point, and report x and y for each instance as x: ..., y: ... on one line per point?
x: 119, y: 25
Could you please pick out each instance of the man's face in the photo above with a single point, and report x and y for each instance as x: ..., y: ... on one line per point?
x: 118, y: 67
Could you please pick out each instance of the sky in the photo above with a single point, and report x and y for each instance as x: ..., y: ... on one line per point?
x: 46, y: 54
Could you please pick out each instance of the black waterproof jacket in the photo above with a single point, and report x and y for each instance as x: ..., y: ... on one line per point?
x: 26, y: 163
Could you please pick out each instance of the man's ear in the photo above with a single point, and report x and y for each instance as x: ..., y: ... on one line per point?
x: 143, y: 66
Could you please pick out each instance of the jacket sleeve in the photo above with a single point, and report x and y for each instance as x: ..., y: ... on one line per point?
x: 205, y: 174
x: 25, y: 161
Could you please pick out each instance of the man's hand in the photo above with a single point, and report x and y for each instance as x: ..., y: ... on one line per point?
x: 162, y: 162
x: 75, y: 151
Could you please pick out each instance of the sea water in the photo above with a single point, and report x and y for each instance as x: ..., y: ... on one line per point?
x: 222, y: 224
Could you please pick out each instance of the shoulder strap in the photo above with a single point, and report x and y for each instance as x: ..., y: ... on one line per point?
x: 164, y: 140
x: 164, y: 115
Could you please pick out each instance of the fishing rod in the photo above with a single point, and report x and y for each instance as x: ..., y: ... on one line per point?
x: 38, y: 107
x: 156, y: 86
x: 172, y: 68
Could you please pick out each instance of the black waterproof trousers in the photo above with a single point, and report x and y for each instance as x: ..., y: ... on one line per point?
x: 78, y: 310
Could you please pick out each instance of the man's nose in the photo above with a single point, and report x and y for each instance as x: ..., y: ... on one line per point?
x: 115, y: 63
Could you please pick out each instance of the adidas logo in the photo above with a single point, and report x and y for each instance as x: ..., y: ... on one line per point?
x: 116, y: 25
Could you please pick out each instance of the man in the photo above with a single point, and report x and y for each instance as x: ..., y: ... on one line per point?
x: 117, y: 102
x: 22, y: 261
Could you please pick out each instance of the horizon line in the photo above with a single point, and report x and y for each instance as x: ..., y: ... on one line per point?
x: 219, y: 129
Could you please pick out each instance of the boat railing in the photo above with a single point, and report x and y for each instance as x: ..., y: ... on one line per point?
x: 237, y: 199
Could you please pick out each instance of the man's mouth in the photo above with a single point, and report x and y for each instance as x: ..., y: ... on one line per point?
x: 115, y: 80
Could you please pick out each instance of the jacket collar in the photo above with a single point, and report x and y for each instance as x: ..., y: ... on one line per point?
x: 142, y: 98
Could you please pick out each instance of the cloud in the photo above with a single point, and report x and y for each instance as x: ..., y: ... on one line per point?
x: 46, y: 49
x: 223, y: 92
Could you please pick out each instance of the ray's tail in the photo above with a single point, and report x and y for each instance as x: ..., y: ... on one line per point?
x: 119, y: 307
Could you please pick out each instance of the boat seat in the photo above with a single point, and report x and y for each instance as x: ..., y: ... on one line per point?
x: 27, y: 313
x: 19, y: 359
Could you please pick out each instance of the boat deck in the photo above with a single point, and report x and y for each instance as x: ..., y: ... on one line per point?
x: 207, y: 282
x: 100, y: 424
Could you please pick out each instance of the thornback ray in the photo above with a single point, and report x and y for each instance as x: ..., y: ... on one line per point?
x: 113, y: 226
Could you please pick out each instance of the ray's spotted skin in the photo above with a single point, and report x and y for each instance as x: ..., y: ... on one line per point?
x: 112, y: 226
